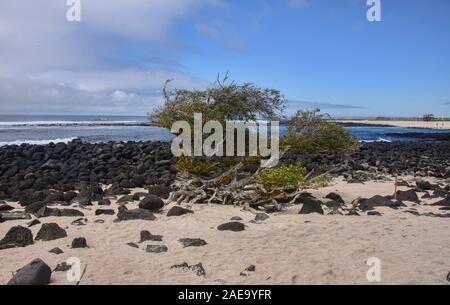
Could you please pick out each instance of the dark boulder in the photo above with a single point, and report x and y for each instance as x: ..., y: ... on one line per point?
x: 151, y: 203
x: 311, y: 205
x: 425, y: 185
x: 35, y: 273
x: 17, y: 236
x: 335, y: 197
x: 50, y: 231
x: 159, y: 190
x: 409, y: 195
x: 231, y: 226
x: 136, y: 214
x: 375, y: 201
x: 178, y: 211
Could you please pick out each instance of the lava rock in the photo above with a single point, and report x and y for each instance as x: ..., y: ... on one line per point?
x: 5, y: 207
x: 425, y: 185
x: 178, y: 211
x: 198, y: 269
x: 50, y: 231
x: 156, y: 248
x: 56, y: 251
x: 236, y: 218
x: 261, y: 217
x: 335, y: 197
x: 17, y: 236
x: 79, y: 242
x: 231, y: 226
x: 104, y: 212
x: 192, y: 242
x: 159, y: 190
x: 409, y: 195
x: 33, y: 223
x: 132, y: 245
x: 35, y: 273
x: 136, y: 214
x: 375, y: 201
x: 104, y: 202
x: 151, y: 203
x: 146, y: 235
x: 311, y: 205
x: 374, y: 213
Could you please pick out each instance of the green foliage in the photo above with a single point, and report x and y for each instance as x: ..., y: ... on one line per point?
x: 290, y: 176
x: 312, y: 132
x: 196, y: 166
x: 221, y: 102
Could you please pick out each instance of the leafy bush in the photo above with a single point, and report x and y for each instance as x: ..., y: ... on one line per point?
x: 289, y: 176
x: 312, y: 132
x: 196, y: 166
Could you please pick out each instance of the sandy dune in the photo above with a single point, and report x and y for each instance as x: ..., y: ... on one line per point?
x: 287, y: 248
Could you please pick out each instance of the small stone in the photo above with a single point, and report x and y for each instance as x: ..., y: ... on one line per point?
x: 104, y: 212
x: 99, y: 221
x: 133, y: 245
x: 61, y: 267
x: 33, y: 223
x: 79, y: 222
x: 178, y: 211
x: 374, y: 213
x: 79, y: 242
x: 192, y: 242
x: 261, y: 217
x: 156, y: 248
x: 236, y: 218
x: 56, y: 251
x: 35, y: 273
x: 146, y: 235
x: 247, y: 270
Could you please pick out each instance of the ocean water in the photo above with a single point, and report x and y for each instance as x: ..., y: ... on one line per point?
x: 43, y: 129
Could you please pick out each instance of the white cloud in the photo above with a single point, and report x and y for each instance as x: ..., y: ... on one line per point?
x: 50, y: 64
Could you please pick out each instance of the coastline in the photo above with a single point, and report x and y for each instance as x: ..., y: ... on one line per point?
x: 444, y: 125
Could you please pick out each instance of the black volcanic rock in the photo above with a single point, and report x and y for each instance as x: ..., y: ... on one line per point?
x: 178, y: 211
x: 35, y: 273
x: 152, y: 203
x: 17, y: 236
x: 231, y: 226
x: 50, y: 231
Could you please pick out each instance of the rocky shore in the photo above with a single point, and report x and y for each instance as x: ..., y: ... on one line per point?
x: 109, y: 203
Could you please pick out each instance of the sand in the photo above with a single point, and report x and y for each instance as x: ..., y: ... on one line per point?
x: 411, y: 124
x: 287, y: 248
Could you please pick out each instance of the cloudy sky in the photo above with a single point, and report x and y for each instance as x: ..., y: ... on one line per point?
x: 317, y: 52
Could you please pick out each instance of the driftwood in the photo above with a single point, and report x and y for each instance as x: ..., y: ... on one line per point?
x: 14, y: 216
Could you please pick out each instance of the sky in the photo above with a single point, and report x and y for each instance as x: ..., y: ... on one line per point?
x: 318, y: 53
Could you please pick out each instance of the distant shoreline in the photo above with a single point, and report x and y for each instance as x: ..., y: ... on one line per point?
x: 444, y: 125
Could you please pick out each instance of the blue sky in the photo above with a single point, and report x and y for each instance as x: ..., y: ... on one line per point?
x: 317, y: 52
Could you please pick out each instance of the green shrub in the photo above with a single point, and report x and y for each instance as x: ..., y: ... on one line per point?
x: 196, y: 166
x: 310, y: 132
x: 290, y: 176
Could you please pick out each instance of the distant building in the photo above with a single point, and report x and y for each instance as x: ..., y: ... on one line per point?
x: 428, y: 117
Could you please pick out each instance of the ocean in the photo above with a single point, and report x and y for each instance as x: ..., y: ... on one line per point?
x: 43, y: 129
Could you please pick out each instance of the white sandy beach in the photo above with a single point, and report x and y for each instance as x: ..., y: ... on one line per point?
x: 287, y: 248
x: 410, y: 124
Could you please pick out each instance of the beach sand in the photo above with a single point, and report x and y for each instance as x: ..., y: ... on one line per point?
x: 287, y: 248
x: 410, y: 124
